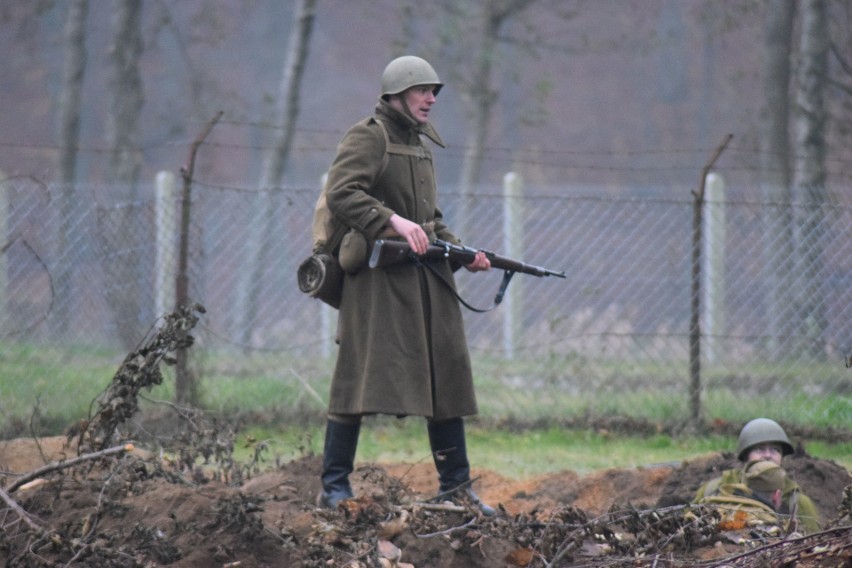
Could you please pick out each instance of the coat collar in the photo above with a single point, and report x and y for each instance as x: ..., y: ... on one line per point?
x: 383, y: 109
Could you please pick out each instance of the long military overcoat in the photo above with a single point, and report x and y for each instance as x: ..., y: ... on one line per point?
x: 402, y: 347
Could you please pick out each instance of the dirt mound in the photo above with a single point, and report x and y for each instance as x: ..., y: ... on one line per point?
x: 134, y: 510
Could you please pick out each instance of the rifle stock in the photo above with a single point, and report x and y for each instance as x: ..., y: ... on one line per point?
x: 387, y: 253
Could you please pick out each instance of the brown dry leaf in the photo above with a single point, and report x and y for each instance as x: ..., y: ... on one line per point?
x: 735, y: 524
x: 395, y: 526
x: 520, y: 557
x: 352, y: 507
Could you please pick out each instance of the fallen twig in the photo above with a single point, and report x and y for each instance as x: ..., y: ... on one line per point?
x: 445, y: 507
x: 62, y: 464
x: 23, y: 515
x: 446, y: 531
x: 561, y: 553
x: 791, y: 546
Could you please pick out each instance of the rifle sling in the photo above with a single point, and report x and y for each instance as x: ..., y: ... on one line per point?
x: 504, y: 284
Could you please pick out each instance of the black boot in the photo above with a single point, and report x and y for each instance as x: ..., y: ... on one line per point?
x: 447, y: 440
x: 341, y: 441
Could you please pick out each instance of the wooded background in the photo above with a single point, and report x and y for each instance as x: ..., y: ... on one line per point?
x: 607, y: 110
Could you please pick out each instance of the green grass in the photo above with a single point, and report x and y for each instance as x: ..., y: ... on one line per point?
x: 822, y: 411
x: 51, y: 388
x: 518, y: 454
x: 805, y: 396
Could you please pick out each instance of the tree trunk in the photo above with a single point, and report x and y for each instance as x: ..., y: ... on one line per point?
x: 481, y: 97
x: 268, y: 205
x: 125, y: 96
x: 779, y: 249
x: 70, y: 98
x: 121, y: 232
x: 288, y: 94
x: 810, y: 175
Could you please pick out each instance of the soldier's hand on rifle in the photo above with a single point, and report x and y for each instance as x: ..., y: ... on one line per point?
x: 417, y: 238
x: 480, y: 262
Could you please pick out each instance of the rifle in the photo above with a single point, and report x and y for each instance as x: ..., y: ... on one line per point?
x: 387, y: 253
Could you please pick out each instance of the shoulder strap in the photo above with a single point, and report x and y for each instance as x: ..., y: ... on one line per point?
x: 385, y: 157
x: 402, y: 149
x: 420, y: 151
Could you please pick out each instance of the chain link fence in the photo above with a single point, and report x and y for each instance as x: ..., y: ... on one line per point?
x: 84, y: 279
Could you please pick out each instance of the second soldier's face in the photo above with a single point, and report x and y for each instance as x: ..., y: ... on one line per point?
x: 419, y: 100
x: 766, y: 452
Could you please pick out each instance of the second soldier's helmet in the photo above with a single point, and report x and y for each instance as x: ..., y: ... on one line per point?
x: 406, y: 72
x: 762, y: 431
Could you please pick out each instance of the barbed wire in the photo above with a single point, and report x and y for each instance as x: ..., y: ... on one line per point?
x: 838, y: 201
x: 513, y: 153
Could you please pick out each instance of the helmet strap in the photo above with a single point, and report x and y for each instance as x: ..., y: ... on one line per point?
x: 397, y: 101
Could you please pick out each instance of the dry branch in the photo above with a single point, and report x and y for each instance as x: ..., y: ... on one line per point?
x: 139, y: 370
x: 443, y: 507
x: 20, y: 512
x: 790, y: 551
x: 62, y: 464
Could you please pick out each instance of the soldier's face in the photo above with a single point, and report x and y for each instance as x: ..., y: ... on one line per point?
x: 766, y: 452
x: 419, y: 100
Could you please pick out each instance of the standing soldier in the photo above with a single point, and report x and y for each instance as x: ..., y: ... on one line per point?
x: 402, y: 347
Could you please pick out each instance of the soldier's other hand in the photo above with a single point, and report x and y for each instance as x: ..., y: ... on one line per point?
x: 480, y: 263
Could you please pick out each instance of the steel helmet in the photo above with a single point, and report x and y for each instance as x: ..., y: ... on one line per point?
x: 762, y: 431
x: 408, y: 71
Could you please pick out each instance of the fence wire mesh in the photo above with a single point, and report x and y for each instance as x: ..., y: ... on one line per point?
x: 84, y: 280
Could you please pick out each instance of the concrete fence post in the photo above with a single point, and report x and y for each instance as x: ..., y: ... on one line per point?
x: 713, y: 271
x: 513, y: 245
x: 166, y: 254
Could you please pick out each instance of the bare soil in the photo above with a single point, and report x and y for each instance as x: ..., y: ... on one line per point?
x: 91, y: 499
x: 136, y: 509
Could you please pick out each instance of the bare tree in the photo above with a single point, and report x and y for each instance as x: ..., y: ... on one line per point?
x: 125, y: 95
x: 288, y: 95
x: 268, y: 204
x: 810, y: 174
x: 70, y: 97
x: 775, y: 171
x: 74, y: 67
x: 120, y: 231
x: 478, y: 92
x: 840, y: 78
